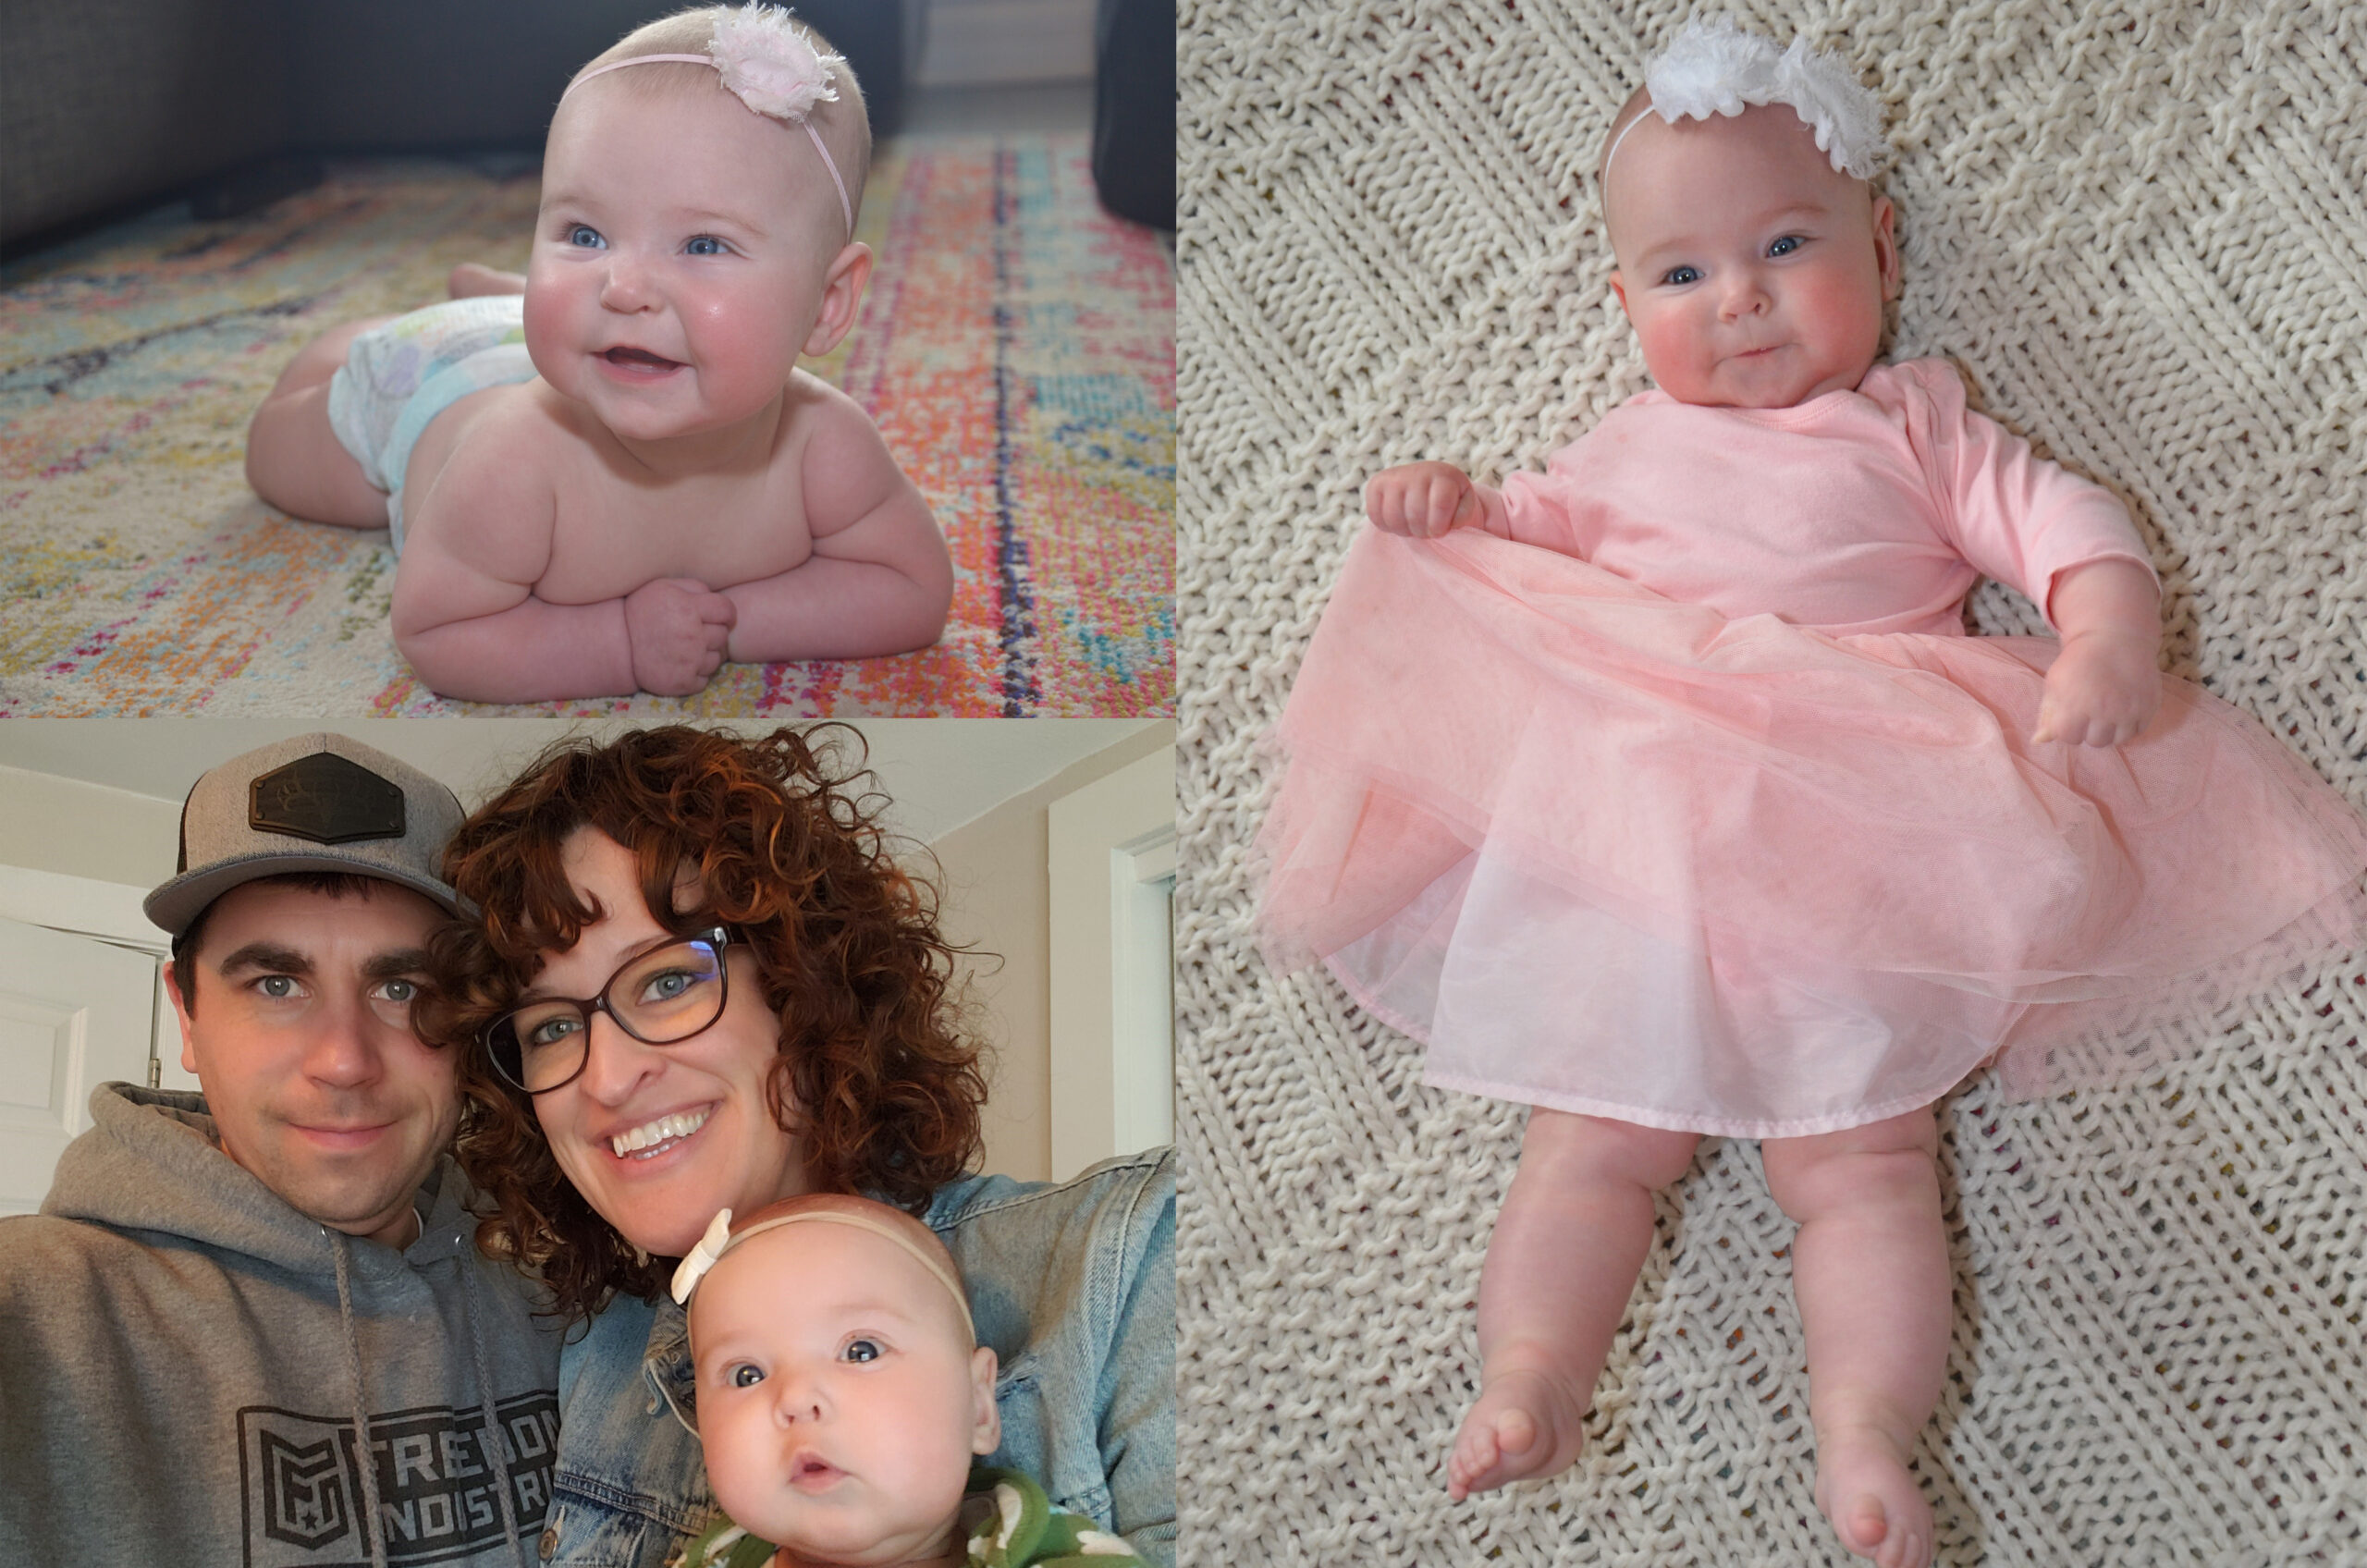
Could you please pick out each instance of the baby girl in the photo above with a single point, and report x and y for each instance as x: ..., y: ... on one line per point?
x: 1664, y: 793
x: 842, y: 1395
x: 610, y: 474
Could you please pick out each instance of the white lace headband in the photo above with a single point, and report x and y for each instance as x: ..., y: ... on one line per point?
x: 770, y: 66
x: 1715, y: 67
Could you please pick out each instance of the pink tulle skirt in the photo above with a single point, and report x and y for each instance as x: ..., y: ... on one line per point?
x: 1611, y: 854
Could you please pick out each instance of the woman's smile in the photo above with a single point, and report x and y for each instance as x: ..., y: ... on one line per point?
x: 657, y: 1137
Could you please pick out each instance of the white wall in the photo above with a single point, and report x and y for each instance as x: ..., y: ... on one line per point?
x: 65, y: 825
x: 997, y: 897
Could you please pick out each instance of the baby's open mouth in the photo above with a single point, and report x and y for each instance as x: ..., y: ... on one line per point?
x: 638, y: 358
x: 811, y: 1470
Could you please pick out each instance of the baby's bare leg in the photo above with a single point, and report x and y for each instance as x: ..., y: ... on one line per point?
x: 294, y: 460
x: 472, y: 278
x: 1870, y: 1269
x: 1561, y: 1267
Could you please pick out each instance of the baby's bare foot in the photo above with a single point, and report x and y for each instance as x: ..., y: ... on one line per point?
x: 1864, y: 1487
x: 469, y: 279
x: 1524, y: 1423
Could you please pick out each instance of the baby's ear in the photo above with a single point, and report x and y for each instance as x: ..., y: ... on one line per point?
x: 1619, y: 287
x: 1886, y: 245
x: 841, y: 297
x: 985, y: 1434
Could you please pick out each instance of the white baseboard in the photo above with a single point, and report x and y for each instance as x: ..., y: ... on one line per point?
x: 986, y: 43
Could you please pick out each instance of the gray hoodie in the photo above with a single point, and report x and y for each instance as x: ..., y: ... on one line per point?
x: 185, y: 1359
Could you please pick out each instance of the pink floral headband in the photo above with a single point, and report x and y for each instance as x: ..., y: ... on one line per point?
x: 770, y: 66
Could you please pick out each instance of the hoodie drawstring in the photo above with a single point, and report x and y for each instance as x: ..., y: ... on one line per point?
x: 365, y: 1461
x: 493, y: 1436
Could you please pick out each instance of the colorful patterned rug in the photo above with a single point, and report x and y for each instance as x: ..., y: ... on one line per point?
x: 1017, y: 349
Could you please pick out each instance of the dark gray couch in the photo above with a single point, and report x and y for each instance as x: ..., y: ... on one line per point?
x: 108, y: 103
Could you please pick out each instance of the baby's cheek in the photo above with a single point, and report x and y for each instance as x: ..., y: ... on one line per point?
x: 546, y: 310
x: 1670, y: 347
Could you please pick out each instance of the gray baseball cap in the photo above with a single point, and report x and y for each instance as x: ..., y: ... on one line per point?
x: 313, y: 803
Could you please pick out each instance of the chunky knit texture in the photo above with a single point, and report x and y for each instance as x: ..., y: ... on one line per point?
x: 2139, y: 228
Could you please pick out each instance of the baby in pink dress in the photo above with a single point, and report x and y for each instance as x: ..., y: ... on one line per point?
x: 1664, y: 793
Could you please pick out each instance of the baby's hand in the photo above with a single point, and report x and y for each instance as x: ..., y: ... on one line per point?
x: 1421, y: 500
x: 678, y: 629
x: 2100, y: 690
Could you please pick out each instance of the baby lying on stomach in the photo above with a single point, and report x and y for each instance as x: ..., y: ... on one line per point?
x: 610, y: 474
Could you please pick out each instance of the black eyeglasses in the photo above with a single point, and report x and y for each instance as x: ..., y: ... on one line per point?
x: 661, y: 997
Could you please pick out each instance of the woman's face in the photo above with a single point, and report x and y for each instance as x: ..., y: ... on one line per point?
x: 658, y: 1137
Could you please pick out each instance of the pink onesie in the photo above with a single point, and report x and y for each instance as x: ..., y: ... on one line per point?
x: 1708, y: 815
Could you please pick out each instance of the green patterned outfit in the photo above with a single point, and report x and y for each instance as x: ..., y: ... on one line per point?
x: 1006, y: 1518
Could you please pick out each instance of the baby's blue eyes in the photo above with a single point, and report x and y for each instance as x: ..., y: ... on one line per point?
x: 741, y: 1375
x: 1677, y: 277
x: 585, y: 236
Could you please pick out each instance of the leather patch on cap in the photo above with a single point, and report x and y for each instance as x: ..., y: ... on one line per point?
x: 325, y: 798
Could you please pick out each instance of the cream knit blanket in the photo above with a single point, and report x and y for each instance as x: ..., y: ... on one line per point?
x: 2142, y: 228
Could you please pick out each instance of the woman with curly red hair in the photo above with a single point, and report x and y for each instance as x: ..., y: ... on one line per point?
x: 699, y: 980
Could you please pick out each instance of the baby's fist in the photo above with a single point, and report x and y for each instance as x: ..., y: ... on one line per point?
x: 2100, y: 690
x: 678, y: 629
x: 1420, y: 500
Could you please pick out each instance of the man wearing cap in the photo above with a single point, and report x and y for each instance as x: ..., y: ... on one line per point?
x: 223, y: 1290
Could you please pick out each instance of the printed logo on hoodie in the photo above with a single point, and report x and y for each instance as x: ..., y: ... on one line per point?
x: 439, y: 1483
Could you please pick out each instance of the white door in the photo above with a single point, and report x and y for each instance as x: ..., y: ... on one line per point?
x: 74, y: 1013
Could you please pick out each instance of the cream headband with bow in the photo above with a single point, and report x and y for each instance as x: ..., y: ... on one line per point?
x: 721, y: 1237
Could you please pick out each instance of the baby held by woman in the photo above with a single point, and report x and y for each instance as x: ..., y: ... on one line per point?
x: 610, y: 474
x: 1664, y: 792
x: 842, y: 1396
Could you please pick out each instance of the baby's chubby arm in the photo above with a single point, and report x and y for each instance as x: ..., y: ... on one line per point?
x: 1426, y: 500
x: 467, y: 619
x: 879, y: 579
x: 2105, y: 685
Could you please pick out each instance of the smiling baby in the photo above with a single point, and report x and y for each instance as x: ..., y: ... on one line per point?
x: 610, y: 474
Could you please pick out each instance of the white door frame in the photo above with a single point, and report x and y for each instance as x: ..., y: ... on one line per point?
x: 1111, y: 862
x: 108, y: 912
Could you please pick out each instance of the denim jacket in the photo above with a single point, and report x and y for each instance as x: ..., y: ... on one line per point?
x: 1073, y: 1285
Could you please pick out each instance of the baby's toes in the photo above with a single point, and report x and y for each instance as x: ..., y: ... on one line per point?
x: 1476, y: 1453
x: 1865, y: 1530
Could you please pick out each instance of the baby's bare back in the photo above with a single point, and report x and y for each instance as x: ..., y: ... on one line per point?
x: 518, y: 475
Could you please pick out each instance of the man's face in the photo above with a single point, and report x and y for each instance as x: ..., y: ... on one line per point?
x: 300, y: 1037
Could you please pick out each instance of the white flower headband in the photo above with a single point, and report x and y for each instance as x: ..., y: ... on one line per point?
x: 769, y: 66
x: 1715, y: 67
x: 721, y: 1238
